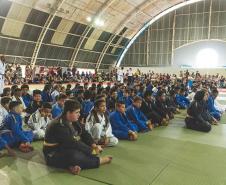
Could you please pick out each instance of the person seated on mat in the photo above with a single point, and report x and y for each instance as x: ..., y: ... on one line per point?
x: 27, y: 98
x: 34, y: 105
x: 212, y: 109
x: 171, y: 102
x: 39, y: 120
x: 87, y: 105
x: 147, y: 108
x: 98, y: 125
x: 161, y: 106
x: 68, y: 145
x: 17, y: 96
x: 13, y: 122
x: 181, y: 100
x: 137, y: 117
x: 57, y: 108
x: 111, y: 100
x: 122, y: 127
x: 126, y: 98
x: 4, y: 109
x: 46, y: 93
x: 195, y: 119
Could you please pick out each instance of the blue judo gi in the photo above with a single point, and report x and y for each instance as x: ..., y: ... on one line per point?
x: 56, y: 110
x: 13, y: 122
x: 182, y: 101
x: 121, y: 125
x: 213, y: 111
x: 136, y: 116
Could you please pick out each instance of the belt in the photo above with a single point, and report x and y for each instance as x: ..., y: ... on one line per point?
x: 49, y: 144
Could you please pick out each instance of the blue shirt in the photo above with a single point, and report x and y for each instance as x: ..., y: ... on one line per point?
x: 56, y: 110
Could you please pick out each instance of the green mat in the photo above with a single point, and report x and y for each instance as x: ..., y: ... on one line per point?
x: 170, y: 155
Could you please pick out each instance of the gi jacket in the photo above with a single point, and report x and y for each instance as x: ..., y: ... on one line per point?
x: 68, y: 135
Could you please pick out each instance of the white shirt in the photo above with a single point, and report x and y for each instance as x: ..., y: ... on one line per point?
x: 2, y: 67
x: 3, y: 114
x: 54, y: 94
x: 130, y: 73
x: 37, y: 122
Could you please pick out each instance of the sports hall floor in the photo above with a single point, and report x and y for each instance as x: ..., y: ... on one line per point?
x: 169, y: 155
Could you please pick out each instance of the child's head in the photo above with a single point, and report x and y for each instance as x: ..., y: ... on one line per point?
x: 100, y: 105
x: 24, y: 89
x: 47, y: 88
x: 16, y: 106
x: 102, y: 97
x: 45, y: 110
x: 161, y: 96
x: 113, y: 93
x: 147, y: 95
x: 120, y: 106
x: 126, y: 93
x: 17, y: 92
x: 6, y: 91
x: 5, y: 101
x: 61, y: 99
x: 182, y: 91
x: 132, y: 92
x: 87, y: 95
x: 137, y: 101
x: 215, y: 93
x: 37, y: 95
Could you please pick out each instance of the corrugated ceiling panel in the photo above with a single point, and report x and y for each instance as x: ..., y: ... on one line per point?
x: 92, y: 40
x: 64, y: 26
x: 19, y: 13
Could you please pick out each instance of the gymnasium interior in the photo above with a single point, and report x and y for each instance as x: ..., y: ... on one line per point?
x: 104, y: 41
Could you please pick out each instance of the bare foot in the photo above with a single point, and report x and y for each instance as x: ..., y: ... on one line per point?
x: 105, y: 160
x: 75, y: 170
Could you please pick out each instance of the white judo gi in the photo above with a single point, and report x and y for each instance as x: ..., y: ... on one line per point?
x: 100, y: 130
x: 38, y: 124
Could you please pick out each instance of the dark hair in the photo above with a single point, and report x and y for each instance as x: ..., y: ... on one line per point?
x: 137, y: 98
x: 70, y: 106
x: 5, y: 90
x: 24, y: 86
x: 17, y: 90
x: 5, y: 100
x: 98, y: 102
x: 215, y: 91
x: 99, y: 96
x: 199, y: 95
x: 14, y: 104
x: 36, y: 92
x: 46, y: 105
x: 147, y: 93
x: 47, y: 87
x: 61, y: 96
x: 120, y: 102
x: 87, y: 95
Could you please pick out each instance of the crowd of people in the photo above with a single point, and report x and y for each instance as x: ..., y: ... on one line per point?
x: 77, y: 121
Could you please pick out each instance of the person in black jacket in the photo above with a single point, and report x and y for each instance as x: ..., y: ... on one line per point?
x: 68, y: 145
x: 149, y: 112
x: 34, y: 105
x: 196, y: 114
x: 161, y: 107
